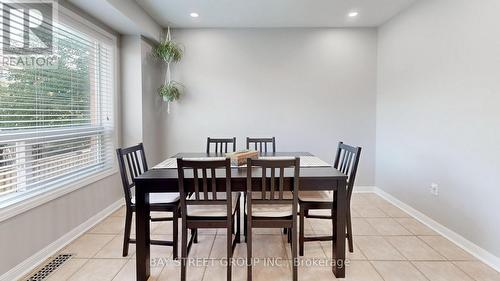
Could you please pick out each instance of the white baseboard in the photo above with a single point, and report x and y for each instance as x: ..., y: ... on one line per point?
x: 35, y: 260
x: 478, y: 252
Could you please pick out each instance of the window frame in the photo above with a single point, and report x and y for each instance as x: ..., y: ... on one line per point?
x: 62, y: 187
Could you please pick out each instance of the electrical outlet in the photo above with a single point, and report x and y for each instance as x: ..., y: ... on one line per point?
x: 434, y: 190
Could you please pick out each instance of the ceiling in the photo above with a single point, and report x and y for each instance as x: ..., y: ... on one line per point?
x: 272, y: 13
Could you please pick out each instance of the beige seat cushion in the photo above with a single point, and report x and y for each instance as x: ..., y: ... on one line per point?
x: 272, y: 210
x: 212, y: 210
x: 158, y: 198
x: 316, y: 196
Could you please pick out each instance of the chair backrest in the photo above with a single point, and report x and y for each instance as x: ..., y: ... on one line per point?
x: 346, y: 161
x: 270, y: 193
x: 132, y: 163
x: 221, y: 145
x: 260, y: 144
x: 207, y: 194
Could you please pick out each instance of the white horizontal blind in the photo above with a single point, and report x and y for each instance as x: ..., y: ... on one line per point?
x: 56, y: 123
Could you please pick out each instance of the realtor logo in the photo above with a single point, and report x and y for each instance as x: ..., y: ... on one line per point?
x: 27, y: 27
x: 27, y: 33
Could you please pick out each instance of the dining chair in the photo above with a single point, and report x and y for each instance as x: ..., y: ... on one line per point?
x: 346, y: 161
x: 221, y: 145
x: 132, y: 163
x: 260, y: 144
x: 272, y: 206
x: 207, y: 206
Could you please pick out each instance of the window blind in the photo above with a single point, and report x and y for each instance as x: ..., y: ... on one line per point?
x: 56, y: 122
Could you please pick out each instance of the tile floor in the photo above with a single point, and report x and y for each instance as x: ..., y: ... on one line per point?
x: 389, y: 245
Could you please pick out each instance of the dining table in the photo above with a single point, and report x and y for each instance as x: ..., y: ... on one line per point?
x: 312, y: 178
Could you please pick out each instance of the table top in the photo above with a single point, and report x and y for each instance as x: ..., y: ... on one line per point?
x: 311, y: 178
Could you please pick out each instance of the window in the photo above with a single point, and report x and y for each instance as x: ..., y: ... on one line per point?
x: 57, y: 122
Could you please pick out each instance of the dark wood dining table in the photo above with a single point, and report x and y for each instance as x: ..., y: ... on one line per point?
x: 311, y: 178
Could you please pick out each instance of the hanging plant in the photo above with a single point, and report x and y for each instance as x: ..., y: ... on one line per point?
x: 169, y: 52
x: 170, y: 92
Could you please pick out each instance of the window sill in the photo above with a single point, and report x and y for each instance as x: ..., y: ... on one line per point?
x: 37, y: 199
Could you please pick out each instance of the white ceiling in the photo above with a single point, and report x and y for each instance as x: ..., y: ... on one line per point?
x: 272, y: 13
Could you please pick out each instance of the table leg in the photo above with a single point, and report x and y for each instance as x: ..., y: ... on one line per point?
x: 142, y: 234
x: 339, y: 229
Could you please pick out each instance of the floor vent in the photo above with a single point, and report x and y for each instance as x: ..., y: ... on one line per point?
x: 45, y: 271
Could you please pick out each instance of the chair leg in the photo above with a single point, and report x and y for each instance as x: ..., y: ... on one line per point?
x: 301, y: 231
x: 248, y: 238
x: 293, y: 230
x: 126, y: 234
x: 349, y: 231
x: 229, y: 246
x: 289, y: 235
x: 285, y: 230
x: 184, y: 250
x: 238, y: 224
x: 175, y: 236
x: 245, y: 230
x: 194, y: 233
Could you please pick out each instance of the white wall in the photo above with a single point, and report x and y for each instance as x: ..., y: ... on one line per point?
x: 153, y: 111
x: 308, y: 87
x: 24, y: 235
x: 438, y: 114
x: 142, y: 109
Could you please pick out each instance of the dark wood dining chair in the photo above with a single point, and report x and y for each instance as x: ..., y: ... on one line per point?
x: 132, y: 163
x: 220, y: 145
x: 261, y: 144
x: 346, y: 161
x: 206, y: 206
x: 272, y: 206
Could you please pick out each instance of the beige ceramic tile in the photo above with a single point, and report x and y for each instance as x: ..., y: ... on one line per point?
x: 398, y: 271
x: 99, y: 270
x: 387, y: 226
x: 361, y: 271
x: 478, y: 270
x: 119, y: 213
x: 441, y: 271
x: 219, y: 249
x: 110, y: 225
x: 413, y: 248
x: 87, y: 245
x: 447, y: 248
x: 355, y: 255
x: 393, y: 211
x: 276, y: 273
x: 360, y: 226
x: 268, y: 246
x: 377, y: 248
x: 64, y: 272
x: 114, y: 249
x: 315, y: 273
x: 369, y: 211
x: 173, y: 272
x: 415, y: 227
x: 128, y: 272
x: 321, y: 226
x: 218, y: 271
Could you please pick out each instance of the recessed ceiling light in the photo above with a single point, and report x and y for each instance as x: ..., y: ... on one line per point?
x: 194, y: 15
x: 353, y: 14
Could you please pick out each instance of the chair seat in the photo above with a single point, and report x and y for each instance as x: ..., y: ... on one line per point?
x: 271, y: 210
x: 161, y: 198
x: 212, y: 210
x: 316, y: 196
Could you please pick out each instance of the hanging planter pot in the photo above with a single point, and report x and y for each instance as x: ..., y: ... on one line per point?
x: 170, y: 92
x: 169, y: 52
